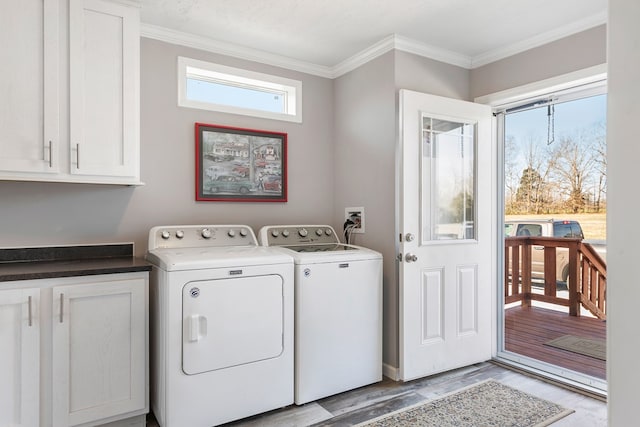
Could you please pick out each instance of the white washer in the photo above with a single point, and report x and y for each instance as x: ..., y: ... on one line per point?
x: 221, y: 325
x: 338, y: 310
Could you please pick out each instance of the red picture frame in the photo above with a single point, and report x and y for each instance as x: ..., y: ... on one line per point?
x: 240, y: 165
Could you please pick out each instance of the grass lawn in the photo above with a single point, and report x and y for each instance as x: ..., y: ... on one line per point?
x: 594, y: 225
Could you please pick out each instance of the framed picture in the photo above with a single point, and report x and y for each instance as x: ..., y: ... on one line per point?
x: 240, y: 165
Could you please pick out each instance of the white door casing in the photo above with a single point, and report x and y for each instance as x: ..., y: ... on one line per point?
x: 446, y: 269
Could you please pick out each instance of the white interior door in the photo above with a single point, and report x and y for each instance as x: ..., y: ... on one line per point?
x: 447, y: 234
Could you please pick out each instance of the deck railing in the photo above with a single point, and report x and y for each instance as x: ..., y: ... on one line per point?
x: 586, y: 281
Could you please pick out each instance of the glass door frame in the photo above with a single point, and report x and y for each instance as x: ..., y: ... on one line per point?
x: 574, y: 85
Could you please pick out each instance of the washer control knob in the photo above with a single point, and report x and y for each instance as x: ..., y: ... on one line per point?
x: 319, y: 232
x: 231, y: 233
x: 285, y: 233
x: 303, y: 232
x: 179, y: 234
x: 206, y: 233
x: 165, y: 234
x: 243, y: 232
x: 275, y: 233
x: 328, y: 232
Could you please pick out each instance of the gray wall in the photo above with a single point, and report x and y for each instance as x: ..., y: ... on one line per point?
x: 364, y: 114
x: 576, y: 52
x: 51, y: 214
x: 623, y: 152
x: 366, y: 126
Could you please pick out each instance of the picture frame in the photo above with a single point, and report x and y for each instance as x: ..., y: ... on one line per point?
x: 240, y: 165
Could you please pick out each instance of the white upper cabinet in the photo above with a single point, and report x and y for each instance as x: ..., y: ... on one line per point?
x: 29, y: 108
x: 71, y: 113
x: 104, y: 89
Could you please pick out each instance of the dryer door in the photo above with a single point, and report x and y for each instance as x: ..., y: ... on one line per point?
x: 230, y: 322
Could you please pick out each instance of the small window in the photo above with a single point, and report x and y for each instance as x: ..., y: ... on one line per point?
x: 215, y: 87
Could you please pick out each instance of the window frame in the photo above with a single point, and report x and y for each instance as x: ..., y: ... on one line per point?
x: 237, y: 77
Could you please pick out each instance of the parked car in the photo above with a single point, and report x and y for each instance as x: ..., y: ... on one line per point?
x: 241, y: 170
x: 546, y: 228
x: 272, y: 183
x: 231, y: 184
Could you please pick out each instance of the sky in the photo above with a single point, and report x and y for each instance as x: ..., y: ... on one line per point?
x: 571, y: 116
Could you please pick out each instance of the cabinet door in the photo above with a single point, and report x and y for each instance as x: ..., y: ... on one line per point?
x: 19, y: 358
x: 29, y: 112
x: 104, y: 45
x: 99, y: 350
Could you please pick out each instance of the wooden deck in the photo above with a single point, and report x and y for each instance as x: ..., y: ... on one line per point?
x: 528, y: 328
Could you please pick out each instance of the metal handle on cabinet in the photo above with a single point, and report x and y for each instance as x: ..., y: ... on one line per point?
x: 50, y: 154
x: 77, y: 156
x: 30, y: 313
x: 61, y: 308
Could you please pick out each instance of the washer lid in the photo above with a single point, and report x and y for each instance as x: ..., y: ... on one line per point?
x: 176, y: 259
x: 333, y: 247
x: 340, y: 252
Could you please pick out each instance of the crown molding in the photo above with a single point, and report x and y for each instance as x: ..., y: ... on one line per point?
x: 369, y: 54
x: 418, y: 48
x: 403, y: 44
x: 233, y: 50
x: 539, y: 40
x: 385, y: 45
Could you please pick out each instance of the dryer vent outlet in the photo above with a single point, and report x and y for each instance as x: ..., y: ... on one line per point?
x: 354, y: 220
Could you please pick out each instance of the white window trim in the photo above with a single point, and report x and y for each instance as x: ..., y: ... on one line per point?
x: 587, y: 78
x: 291, y: 88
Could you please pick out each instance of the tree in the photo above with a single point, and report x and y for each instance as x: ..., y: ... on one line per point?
x: 572, y: 164
x: 600, y: 144
x: 529, y: 194
x: 533, y: 194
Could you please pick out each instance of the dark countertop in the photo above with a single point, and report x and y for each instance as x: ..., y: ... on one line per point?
x: 68, y: 261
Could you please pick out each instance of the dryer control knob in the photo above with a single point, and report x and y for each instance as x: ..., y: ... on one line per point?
x: 206, y: 233
x: 179, y: 234
x: 243, y: 232
x: 303, y: 232
x: 231, y: 233
x: 275, y: 233
x: 328, y: 232
x: 165, y: 234
x: 285, y: 233
x: 319, y: 232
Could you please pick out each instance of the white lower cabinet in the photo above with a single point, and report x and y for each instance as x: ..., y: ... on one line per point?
x: 19, y: 357
x: 75, y: 351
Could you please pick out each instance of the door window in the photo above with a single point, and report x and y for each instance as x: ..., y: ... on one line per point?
x: 448, y: 180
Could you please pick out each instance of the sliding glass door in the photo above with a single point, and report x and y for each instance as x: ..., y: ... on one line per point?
x: 553, y: 311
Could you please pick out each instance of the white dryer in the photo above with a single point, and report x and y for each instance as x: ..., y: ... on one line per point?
x: 221, y: 325
x: 338, y: 310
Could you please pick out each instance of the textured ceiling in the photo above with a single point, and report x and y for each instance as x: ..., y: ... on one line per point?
x: 328, y: 32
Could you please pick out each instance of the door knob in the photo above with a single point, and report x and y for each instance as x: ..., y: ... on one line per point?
x: 409, y: 237
x: 411, y: 258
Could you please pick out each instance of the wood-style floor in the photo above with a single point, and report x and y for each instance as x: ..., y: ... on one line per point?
x: 353, y: 407
x: 527, y: 329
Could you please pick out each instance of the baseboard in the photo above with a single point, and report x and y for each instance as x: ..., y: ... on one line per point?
x: 390, y: 372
